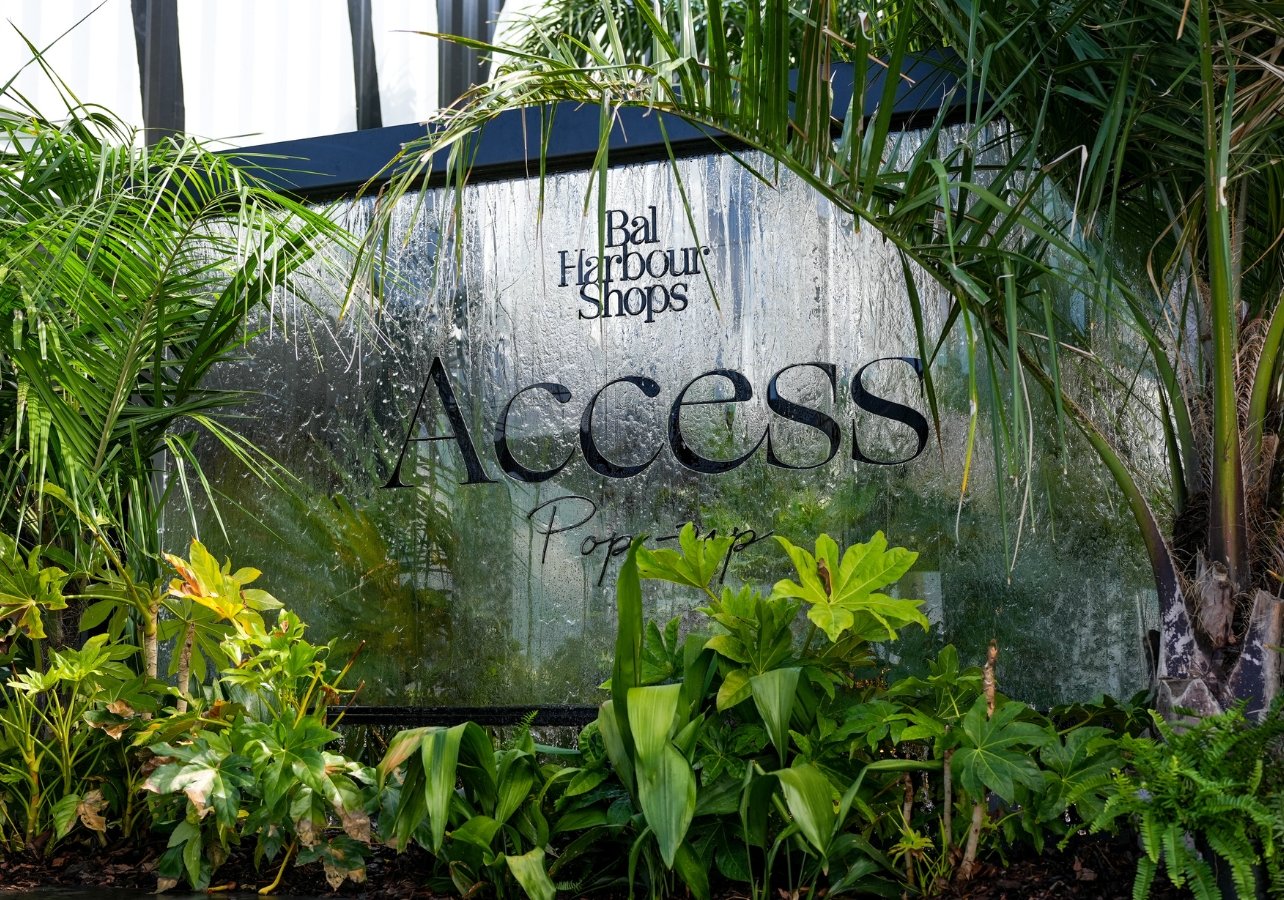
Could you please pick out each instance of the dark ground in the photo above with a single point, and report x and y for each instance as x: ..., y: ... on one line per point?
x: 1100, y: 868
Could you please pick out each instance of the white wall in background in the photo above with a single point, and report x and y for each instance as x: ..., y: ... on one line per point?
x: 407, y: 61
x: 97, y: 59
x: 256, y: 72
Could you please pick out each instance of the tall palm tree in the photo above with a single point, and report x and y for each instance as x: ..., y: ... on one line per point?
x: 126, y: 275
x: 1141, y: 147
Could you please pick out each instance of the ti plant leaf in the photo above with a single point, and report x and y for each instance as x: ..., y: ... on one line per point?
x: 841, y: 594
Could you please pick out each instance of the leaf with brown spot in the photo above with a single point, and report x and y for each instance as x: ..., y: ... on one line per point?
x: 356, y: 824
x: 121, y: 708
x: 89, y: 810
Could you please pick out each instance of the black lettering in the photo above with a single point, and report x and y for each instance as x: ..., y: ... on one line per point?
x: 505, y: 456
x: 676, y: 293
x: 566, y: 266
x: 629, y: 257
x: 437, y: 377
x: 651, y: 308
x: 626, y: 302
x: 741, y: 540
x: 617, y: 222
x: 804, y: 415
x: 589, y: 298
x: 592, y: 455
x: 888, y: 409
x: 551, y: 527
x: 682, y: 451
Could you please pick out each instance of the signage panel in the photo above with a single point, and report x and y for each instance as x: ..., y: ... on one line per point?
x: 476, y: 450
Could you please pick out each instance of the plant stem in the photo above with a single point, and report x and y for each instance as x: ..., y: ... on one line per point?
x: 150, y: 613
x: 185, y: 667
x: 907, y: 810
x: 947, y: 775
x: 968, y: 867
x: 280, y: 873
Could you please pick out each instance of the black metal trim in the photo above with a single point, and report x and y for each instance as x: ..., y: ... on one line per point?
x: 341, y: 164
x: 404, y: 716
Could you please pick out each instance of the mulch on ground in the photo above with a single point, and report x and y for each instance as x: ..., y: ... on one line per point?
x: 1091, y: 868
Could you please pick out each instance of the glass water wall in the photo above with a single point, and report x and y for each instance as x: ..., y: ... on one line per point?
x: 475, y: 451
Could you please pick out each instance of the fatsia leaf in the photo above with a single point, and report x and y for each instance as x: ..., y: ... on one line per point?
x: 995, y: 753
x: 27, y: 589
x: 841, y: 592
x: 696, y: 564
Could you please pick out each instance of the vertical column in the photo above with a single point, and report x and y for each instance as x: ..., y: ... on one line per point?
x: 365, y: 73
x: 160, y: 70
x: 462, y: 67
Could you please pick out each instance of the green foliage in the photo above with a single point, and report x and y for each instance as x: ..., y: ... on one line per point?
x: 28, y: 589
x: 63, y: 756
x: 1195, y: 797
x: 489, y: 831
x: 127, y: 273
x: 250, y: 761
x: 755, y: 751
x: 842, y: 596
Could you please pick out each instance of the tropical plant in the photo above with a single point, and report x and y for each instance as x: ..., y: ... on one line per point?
x: 64, y: 756
x: 1196, y: 798
x: 1104, y: 221
x: 494, y: 831
x: 250, y: 758
x: 126, y: 275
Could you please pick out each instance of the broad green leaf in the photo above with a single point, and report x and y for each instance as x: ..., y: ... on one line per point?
x: 773, y: 695
x: 531, y: 874
x: 477, y: 830
x: 613, y: 738
x: 693, y: 870
x: 64, y: 814
x: 653, y: 713
x: 729, y: 646
x: 694, y: 566
x: 667, y: 794
x: 841, y: 593
x: 515, y: 778
x: 995, y: 753
x: 626, y: 673
x: 810, y: 798
x: 27, y: 589
x: 831, y: 619
x: 734, y: 689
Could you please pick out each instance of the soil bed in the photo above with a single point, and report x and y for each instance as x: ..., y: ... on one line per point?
x: 1100, y: 868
